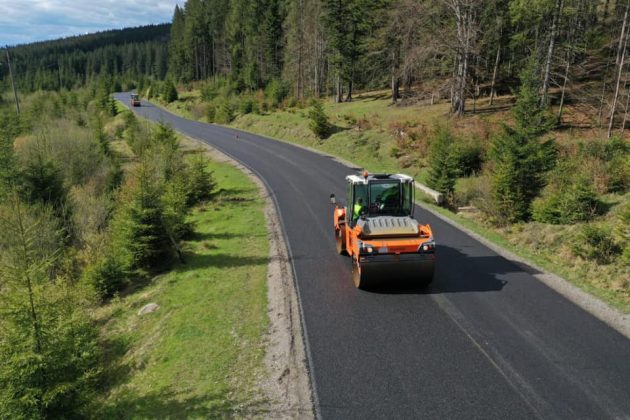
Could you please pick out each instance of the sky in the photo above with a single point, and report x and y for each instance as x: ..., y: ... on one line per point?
x: 24, y: 21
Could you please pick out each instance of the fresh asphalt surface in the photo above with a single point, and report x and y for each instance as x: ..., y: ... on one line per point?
x: 487, y: 340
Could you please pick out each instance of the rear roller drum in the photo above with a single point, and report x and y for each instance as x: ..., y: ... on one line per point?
x: 358, y: 277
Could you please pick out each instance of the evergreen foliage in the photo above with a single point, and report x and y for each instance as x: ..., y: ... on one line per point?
x: 443, y: 170
x: 567, y: 203
x: 597, y: 244
x: 319, y: 121
x: 49, y: 348
x: 169, y: 91
x: 67, y: 63
x: 520, y: 160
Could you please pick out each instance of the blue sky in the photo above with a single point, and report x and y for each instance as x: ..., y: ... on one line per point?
x: 23, y: 21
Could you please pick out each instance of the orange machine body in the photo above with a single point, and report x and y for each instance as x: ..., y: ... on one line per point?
x: 135, y: 100
x: 384, y: 243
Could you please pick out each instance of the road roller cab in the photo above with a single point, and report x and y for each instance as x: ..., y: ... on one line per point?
x: 377, y: 230
x: 135, y: 99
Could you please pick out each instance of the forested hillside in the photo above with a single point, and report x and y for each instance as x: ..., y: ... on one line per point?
x: 457, y: 50
x: 126, y: 55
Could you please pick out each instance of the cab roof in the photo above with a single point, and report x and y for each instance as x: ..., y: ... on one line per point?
x: 357, y: 179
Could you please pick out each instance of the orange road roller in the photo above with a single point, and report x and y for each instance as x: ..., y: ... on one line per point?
x: 135, y: 99
x: 376, y: 229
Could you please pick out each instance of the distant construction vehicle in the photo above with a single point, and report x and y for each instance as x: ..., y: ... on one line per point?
x: 135, y: 99
x: 377, y: 230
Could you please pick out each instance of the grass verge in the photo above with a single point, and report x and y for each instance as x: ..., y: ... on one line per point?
x: 201, y: 353
x: 368, y: 130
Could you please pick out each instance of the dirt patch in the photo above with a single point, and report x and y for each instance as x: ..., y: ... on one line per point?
x: 287, y: 385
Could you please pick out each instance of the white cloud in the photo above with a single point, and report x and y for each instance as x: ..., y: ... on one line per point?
x: 35, y: 20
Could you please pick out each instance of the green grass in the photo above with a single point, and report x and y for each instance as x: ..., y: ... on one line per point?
x: 201, y: 352
x: 545, y: 257
x: 365, y: 133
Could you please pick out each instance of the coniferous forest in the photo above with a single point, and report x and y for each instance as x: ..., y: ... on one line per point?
x: 125, y: 55
x: 514, y: 110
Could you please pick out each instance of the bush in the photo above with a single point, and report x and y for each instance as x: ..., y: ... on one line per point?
x: 246, y: 105
x: 276, y: 91
x: 618, y: 169
x: 108, y: 275
x: 443, y: 164
x: 211, y: 112
x: 169, y: 91
x: 597, y: 244
x: 319, y: 121
x: 224, y: 113
x: 200, y: 180
x: 469, y: 158
x: 567, y: 204
x: 175, y: 208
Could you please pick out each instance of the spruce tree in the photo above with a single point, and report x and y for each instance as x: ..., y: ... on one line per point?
x: 443, y: 167
x: 48, y: 348
x: 520, y: 159
x: 319, y: 121
x: 169, y: 91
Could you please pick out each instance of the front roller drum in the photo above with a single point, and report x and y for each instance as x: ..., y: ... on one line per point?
x: 393, y: 270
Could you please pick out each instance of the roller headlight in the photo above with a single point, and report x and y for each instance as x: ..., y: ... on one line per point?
x: 366, y: 248
x: 427, y: 247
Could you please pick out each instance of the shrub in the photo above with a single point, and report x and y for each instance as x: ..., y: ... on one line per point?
x: 618, y: 169
x: 42, y: 181
x: 443, y: 165
x: 169, y: 91
x: 200, y: 180
x: 319, y: 121
x: 622, y: 231
x: 211, y: 113
x: 597, y: 244
x: 469, y: 157
x: 472, y: 191
x: 246, y: 105
x: 108, y: 275
x: 276, y: 91
x: 566, y: 204
x: 175, y: 208
x: 224, y: 113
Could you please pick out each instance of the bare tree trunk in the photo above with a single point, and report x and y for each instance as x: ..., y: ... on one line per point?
x: 339, y: 89
x: 395, y: 77
x: 349, y: 96
x: 625, y: 114
x: 564, y: 87
x: 464, y: 17
x: 552, y: 43
x: 621, y: 58
x: 494, y: 73
x: 395, y: 88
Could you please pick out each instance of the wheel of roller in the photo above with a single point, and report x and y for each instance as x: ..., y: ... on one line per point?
x: 340, y: 241
x: 360, y: 282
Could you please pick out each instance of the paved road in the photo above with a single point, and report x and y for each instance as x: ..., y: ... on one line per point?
x: 487, y: 341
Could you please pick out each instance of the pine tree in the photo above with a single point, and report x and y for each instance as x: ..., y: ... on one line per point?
x: 319, y: 121
x: 520, y: 159
x: 169, y: 91
x: 443, y: 167
x: 48, y: 348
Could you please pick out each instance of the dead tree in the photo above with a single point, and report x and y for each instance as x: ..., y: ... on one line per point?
x: 621, y: 58
x: 465, y: 18
x: 552, y: 42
